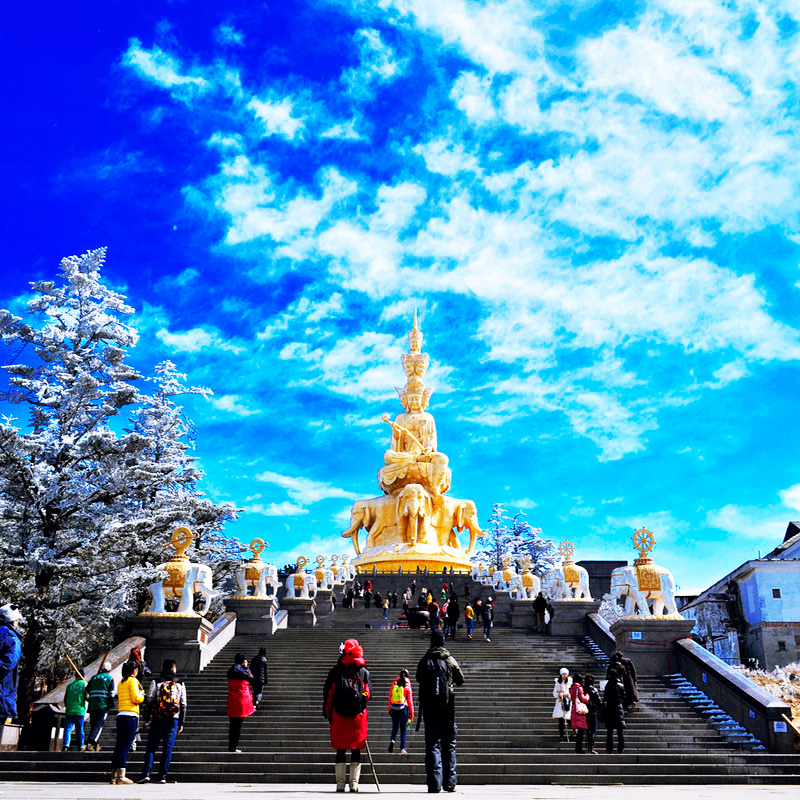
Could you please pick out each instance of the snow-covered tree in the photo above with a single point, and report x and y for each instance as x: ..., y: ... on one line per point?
x: 517, y: 538
x: 528, y: 541
x: 86, y: 503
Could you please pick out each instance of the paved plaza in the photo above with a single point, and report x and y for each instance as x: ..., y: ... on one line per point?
x: 309, y: 791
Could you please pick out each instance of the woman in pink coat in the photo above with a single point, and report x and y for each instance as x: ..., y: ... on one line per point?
x: 345, y: 696
x: 578, y: 721
x: 240, y: 700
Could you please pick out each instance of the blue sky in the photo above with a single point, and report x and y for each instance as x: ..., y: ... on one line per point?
x: 594, y: 206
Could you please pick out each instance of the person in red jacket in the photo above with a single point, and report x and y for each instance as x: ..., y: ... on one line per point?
x: 401, y: 709
x: 345, y: 696
x: 578, y: 720
x: 240, y: 700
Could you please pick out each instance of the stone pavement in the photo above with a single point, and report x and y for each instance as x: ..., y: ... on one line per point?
x: 311, y: 791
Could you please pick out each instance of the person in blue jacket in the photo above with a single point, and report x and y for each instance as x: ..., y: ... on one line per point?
x: 10, y: 653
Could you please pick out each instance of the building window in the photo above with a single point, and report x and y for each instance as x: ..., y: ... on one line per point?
x: 776, y: 594
x: 782, y: 646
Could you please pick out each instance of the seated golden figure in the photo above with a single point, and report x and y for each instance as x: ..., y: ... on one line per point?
x: 413, y: 524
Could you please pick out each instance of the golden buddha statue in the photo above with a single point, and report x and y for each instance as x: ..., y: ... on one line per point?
x: 414, y: 523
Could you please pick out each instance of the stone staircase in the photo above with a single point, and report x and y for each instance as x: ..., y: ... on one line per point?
x: 506, y: 734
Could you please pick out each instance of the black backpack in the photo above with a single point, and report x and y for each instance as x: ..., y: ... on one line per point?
x: 434, y: 686
x: 348, y: 694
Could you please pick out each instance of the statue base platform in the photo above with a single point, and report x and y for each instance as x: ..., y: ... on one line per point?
x: 323, y: 604
x: 522, y: 615
x: 569, y: 616
x: 254, y: 615
x: 650, y: 641
x: 300, y: 612
x: 407, y: 558
x: 502, y: 606
x: 183, y: 639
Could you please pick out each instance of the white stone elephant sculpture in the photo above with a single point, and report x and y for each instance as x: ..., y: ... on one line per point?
x: 346, y: 570
x: 197, y: 578
x: 557, y: 587
x: 480, y: 571
x: 625, y: 583
x: 301, y: 584
x: 261, y: 576
x: 525, y: 586
x: 502, y: 578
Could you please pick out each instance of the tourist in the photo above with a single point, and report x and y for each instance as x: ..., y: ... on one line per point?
x: 614, y: 711
x: 100, y: 692
x: 258, y: 666
x: 394, y: 598
x: 165, y: 712
x: 349, y: 599
x: 487, y: 616
x: 378, y: 600
x: 433, y: 610
x: 413, y: 587
x: 579, y: 710
x: 437, y: 672
x: 453, y: 615
x: 10, y: 654
x: 624, y: 666
x: 401, y: 709
x: 130, y: 697
x: 345, y: 695
x: 240, y: 700
x: 143, y: 674
x: 539, y: 609
x: 469, y: 619
x: 561, y: 709
x: 595, y: 704
x: 74, y: 712
x: 367, y: 598
x: 467, y: 597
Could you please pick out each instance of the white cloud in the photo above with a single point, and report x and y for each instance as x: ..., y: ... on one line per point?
x: 304, y: 490
x: 197, y: 340
x: 285, y: 509
x: 232, y: 404
x: 225, y: 33
x: 378, y: 64
x: 276, y: 116
x: 523, y: 502
x: 791, y: 497
x: 162, y: 69
x: 765, y: 524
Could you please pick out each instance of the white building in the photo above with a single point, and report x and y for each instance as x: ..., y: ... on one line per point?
x: 753, y: 613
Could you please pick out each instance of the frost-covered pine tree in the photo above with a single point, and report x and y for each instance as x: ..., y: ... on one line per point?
x: 525, y: 540
x: 495, y: 542
x: 86, y: 503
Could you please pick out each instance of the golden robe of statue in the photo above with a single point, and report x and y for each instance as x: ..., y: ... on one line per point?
x: 414, y: 523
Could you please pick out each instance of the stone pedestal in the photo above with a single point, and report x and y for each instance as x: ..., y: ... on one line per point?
x: 9, y: 736
x: 569, y: 616
x: 650, y: 642
x: 183, y: 639
x: 502, y: 607
x: 323, y: 602
x: 300, y: 611
x: 522, y: 615
x: 254, y: 615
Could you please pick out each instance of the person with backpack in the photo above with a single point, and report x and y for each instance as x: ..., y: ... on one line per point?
x: 469, y: 619
x: 164, y: 714
x: 401, y: 709
x: 614, y: 710
x: 100, y: 692
x: 487, y: 616
x: 345, y: 696
x: 131, y: 696
x: 258, y: 666
x: 74, y: 712
x: 437, y: 673
x: 240, y: 700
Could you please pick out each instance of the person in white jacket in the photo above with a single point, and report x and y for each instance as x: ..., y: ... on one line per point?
x: 561, y: 710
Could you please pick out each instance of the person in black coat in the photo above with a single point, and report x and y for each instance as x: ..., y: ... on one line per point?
x: 624, y: 666
x: 595, y: 707
x: 614, y: 711
x: 258, y: 666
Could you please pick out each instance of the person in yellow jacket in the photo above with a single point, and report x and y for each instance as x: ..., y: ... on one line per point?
x: 130, y: 696
x: 469, y: 618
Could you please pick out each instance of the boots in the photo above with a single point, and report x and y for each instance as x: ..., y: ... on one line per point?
x: 114, y: 777
x: 355, y: 774
x: 341, y: 775
x: 121, y: 777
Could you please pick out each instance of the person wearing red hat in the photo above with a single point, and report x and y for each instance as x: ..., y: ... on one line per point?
x: 345, y: 696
